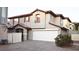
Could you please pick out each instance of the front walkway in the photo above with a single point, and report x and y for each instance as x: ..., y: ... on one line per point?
x: 30, y: 45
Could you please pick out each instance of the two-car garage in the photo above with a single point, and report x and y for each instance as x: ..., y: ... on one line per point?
x: 45, y: 35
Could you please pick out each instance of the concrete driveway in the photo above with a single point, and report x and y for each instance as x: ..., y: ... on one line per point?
x: 32, y: 45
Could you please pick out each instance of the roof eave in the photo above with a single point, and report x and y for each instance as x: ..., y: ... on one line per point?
x: 59, y: 26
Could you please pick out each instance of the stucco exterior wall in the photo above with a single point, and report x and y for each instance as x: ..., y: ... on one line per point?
x: 30, y: 35
x: 32, y: 23
x: 44, y: 21
x: 49, y: 20
x: 15, y: 23
x: 75, y: 37
x: 55, y: 20
x: 66, y: 24
x: 10, y: 21
x: 21, y: 20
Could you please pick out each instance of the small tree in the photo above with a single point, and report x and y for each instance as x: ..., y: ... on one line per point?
x: 63, y: 40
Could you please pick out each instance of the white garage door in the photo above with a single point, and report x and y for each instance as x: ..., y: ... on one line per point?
x: 45, y: 35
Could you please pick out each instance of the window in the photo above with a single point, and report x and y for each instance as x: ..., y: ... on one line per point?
x: 8, y: 20
x: 27, y: 19
x: 37, y: 18
x: 16, y: 19
x: 21, y: 20
x: 70, y: 28
x: 51, y: 17
x: 61, y: 22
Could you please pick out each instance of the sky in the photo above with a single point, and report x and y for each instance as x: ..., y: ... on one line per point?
x: 69, y: 8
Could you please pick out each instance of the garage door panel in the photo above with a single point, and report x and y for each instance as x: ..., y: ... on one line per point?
x: 45, y: 35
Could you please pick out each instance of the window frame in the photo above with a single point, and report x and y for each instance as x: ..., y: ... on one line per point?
x: 27, y: 19
x: 37, y: 20
x: 16, y: 20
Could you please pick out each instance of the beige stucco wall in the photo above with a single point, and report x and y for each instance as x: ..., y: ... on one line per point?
x: 49, y: 20
x: 10, y: 21
x: 30, y: 35
x: 48, y: 27
x: 44, y: 21
x: 75, y: 37
x: 66, y: 23
x: 21, y: 20
x: 55, y: 20
x: 33, y: 18
x: 15, y: 23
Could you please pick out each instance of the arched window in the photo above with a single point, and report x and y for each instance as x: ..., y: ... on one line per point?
x: 37, y: 18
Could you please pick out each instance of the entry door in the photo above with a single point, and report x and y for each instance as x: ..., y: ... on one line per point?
x: 19, y: 30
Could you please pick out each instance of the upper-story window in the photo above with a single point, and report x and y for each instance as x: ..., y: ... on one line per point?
x: 61, y: 22
x: 16, y: 19
x: 52, y: 19
x: 9, y: 20
x: 37, y: 18
x: 27, y: 19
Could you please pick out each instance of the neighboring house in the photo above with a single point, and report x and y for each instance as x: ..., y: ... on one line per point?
x: 75, y: 32
x: 39, y: 25
x: 3, y: 22
x: 76, y: 26
x: 67, y: 23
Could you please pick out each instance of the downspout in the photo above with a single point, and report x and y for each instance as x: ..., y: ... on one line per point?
x: 60, y: 28
x: 45, y: 20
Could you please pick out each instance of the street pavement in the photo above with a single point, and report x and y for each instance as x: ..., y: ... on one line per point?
x: 33, y: 45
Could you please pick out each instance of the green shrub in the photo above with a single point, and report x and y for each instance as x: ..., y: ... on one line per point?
x: 63, y: 40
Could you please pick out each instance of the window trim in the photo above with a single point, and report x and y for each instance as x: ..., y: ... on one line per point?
x: 37, y: 18
x: 16, y: 20
x: 25, y: 19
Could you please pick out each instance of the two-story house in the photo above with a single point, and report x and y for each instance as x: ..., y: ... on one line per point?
x: 38, y: 25
x: 76, y: 26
